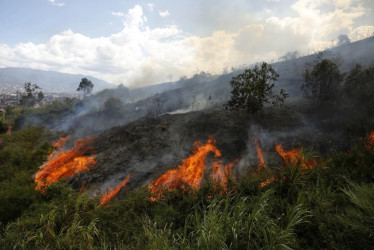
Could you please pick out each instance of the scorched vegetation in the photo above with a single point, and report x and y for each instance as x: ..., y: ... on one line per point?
x: 258, y: 176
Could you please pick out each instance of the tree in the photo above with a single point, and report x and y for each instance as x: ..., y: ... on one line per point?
x: 253, y: 88
x: 32, y: 95
x: 343, y: 39
x: 159, y: 105
x: 359, y: 87
x: 322, y: 82
x: 86, y: 86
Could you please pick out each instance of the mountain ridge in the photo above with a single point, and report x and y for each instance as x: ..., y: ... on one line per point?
x: 48, y: 79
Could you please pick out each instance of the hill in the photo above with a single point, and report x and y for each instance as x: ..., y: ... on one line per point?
x: 167, y: 167
x: 49, y: 81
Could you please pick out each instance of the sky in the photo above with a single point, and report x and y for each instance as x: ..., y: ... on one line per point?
x: 139, y: 43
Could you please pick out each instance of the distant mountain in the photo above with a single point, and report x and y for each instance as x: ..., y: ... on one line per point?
x: 49, y: 81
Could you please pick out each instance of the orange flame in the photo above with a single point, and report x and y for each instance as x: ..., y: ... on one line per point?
x: 113, y: 192
x: 295, y: 156
x: 259, y: 155
x: 268, y: 181
x: 191, y: 171
x: 370, y: 142
x: 62, y: 164
x: 371, y: 137
x: 9, y: 132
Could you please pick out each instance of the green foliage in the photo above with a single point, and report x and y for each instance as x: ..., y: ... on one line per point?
x: 359, y: 89
x: 52, y: 113
x: 245, y: 222
x: 66, y: 223
x: 32, y: 95
x: 327, y: 207
x: 253, y: 88
x: 21, y: 155
x: 322, y: 82
x: 360, y: 217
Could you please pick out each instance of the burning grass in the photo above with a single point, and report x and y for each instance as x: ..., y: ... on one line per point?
x: 62, y: 164
x: 191, y: 172
x: 114, y: 191
x: 370, y: 141
x: 259, y: 155
x: 295, y: 157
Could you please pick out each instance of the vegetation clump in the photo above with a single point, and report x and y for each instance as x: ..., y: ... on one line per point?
x: 253, y: 88
x: 326, y: 207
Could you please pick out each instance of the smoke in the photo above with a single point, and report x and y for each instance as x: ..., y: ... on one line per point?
x: 132, y: 141
x: 202, y: 92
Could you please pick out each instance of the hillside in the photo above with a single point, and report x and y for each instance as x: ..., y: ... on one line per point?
x: 49, y: 81
x: 168, y: 167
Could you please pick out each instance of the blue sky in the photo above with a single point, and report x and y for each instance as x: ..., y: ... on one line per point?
x: 142, y: 42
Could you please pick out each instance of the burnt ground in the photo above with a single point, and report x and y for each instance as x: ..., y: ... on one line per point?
x: 148, y: 147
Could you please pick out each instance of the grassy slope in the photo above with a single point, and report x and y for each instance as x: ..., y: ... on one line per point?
x: 329, y: 207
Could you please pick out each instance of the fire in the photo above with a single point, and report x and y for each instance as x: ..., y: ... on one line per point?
x: 294, y: 157
x: 371, y: 137
x: 370, y: 142
x: 113, y: 192
x: 268, y: 181
x: 259, y: 155
x: 62, y: 164
x: 191, y: 171
x: 9, y: 131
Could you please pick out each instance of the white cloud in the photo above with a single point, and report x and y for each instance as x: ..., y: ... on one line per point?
x: 361, y: 32
x: 151, y: 6
x: 56, y: 3
x: 117, y: 13
x: 164, y: 13
x: 319, y: 21
x: 140, y: 55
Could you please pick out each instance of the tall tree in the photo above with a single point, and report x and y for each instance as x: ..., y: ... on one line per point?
x: 86, y: 86
x: 32, y: 95
x: 253, y: 88
x: 322, y: 82
x: 359, y: 88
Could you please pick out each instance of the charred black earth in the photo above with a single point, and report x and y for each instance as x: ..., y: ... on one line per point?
x: 148, y: 147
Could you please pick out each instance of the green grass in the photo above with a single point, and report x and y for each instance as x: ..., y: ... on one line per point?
x: 330, y: 206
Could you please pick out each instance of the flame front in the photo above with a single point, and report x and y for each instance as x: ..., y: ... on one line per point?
x: 9, y: 131
x: 370, y: 145
x: 371, y: 137
x: 191, y: 171
x: 113, y: 192
x: 62, y: 164
x: 295, y: 156
x: 261, y: 162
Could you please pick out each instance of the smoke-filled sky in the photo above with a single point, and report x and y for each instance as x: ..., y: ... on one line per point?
x: 140, y: 43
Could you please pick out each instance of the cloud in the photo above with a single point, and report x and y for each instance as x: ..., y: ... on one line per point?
x: 319, y: 21
x: 117, y: 13
x: 361, y: 32
x: 56, y: 3
x: 164, y: 13
x: 139, y: 55
x: 151, y: 6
